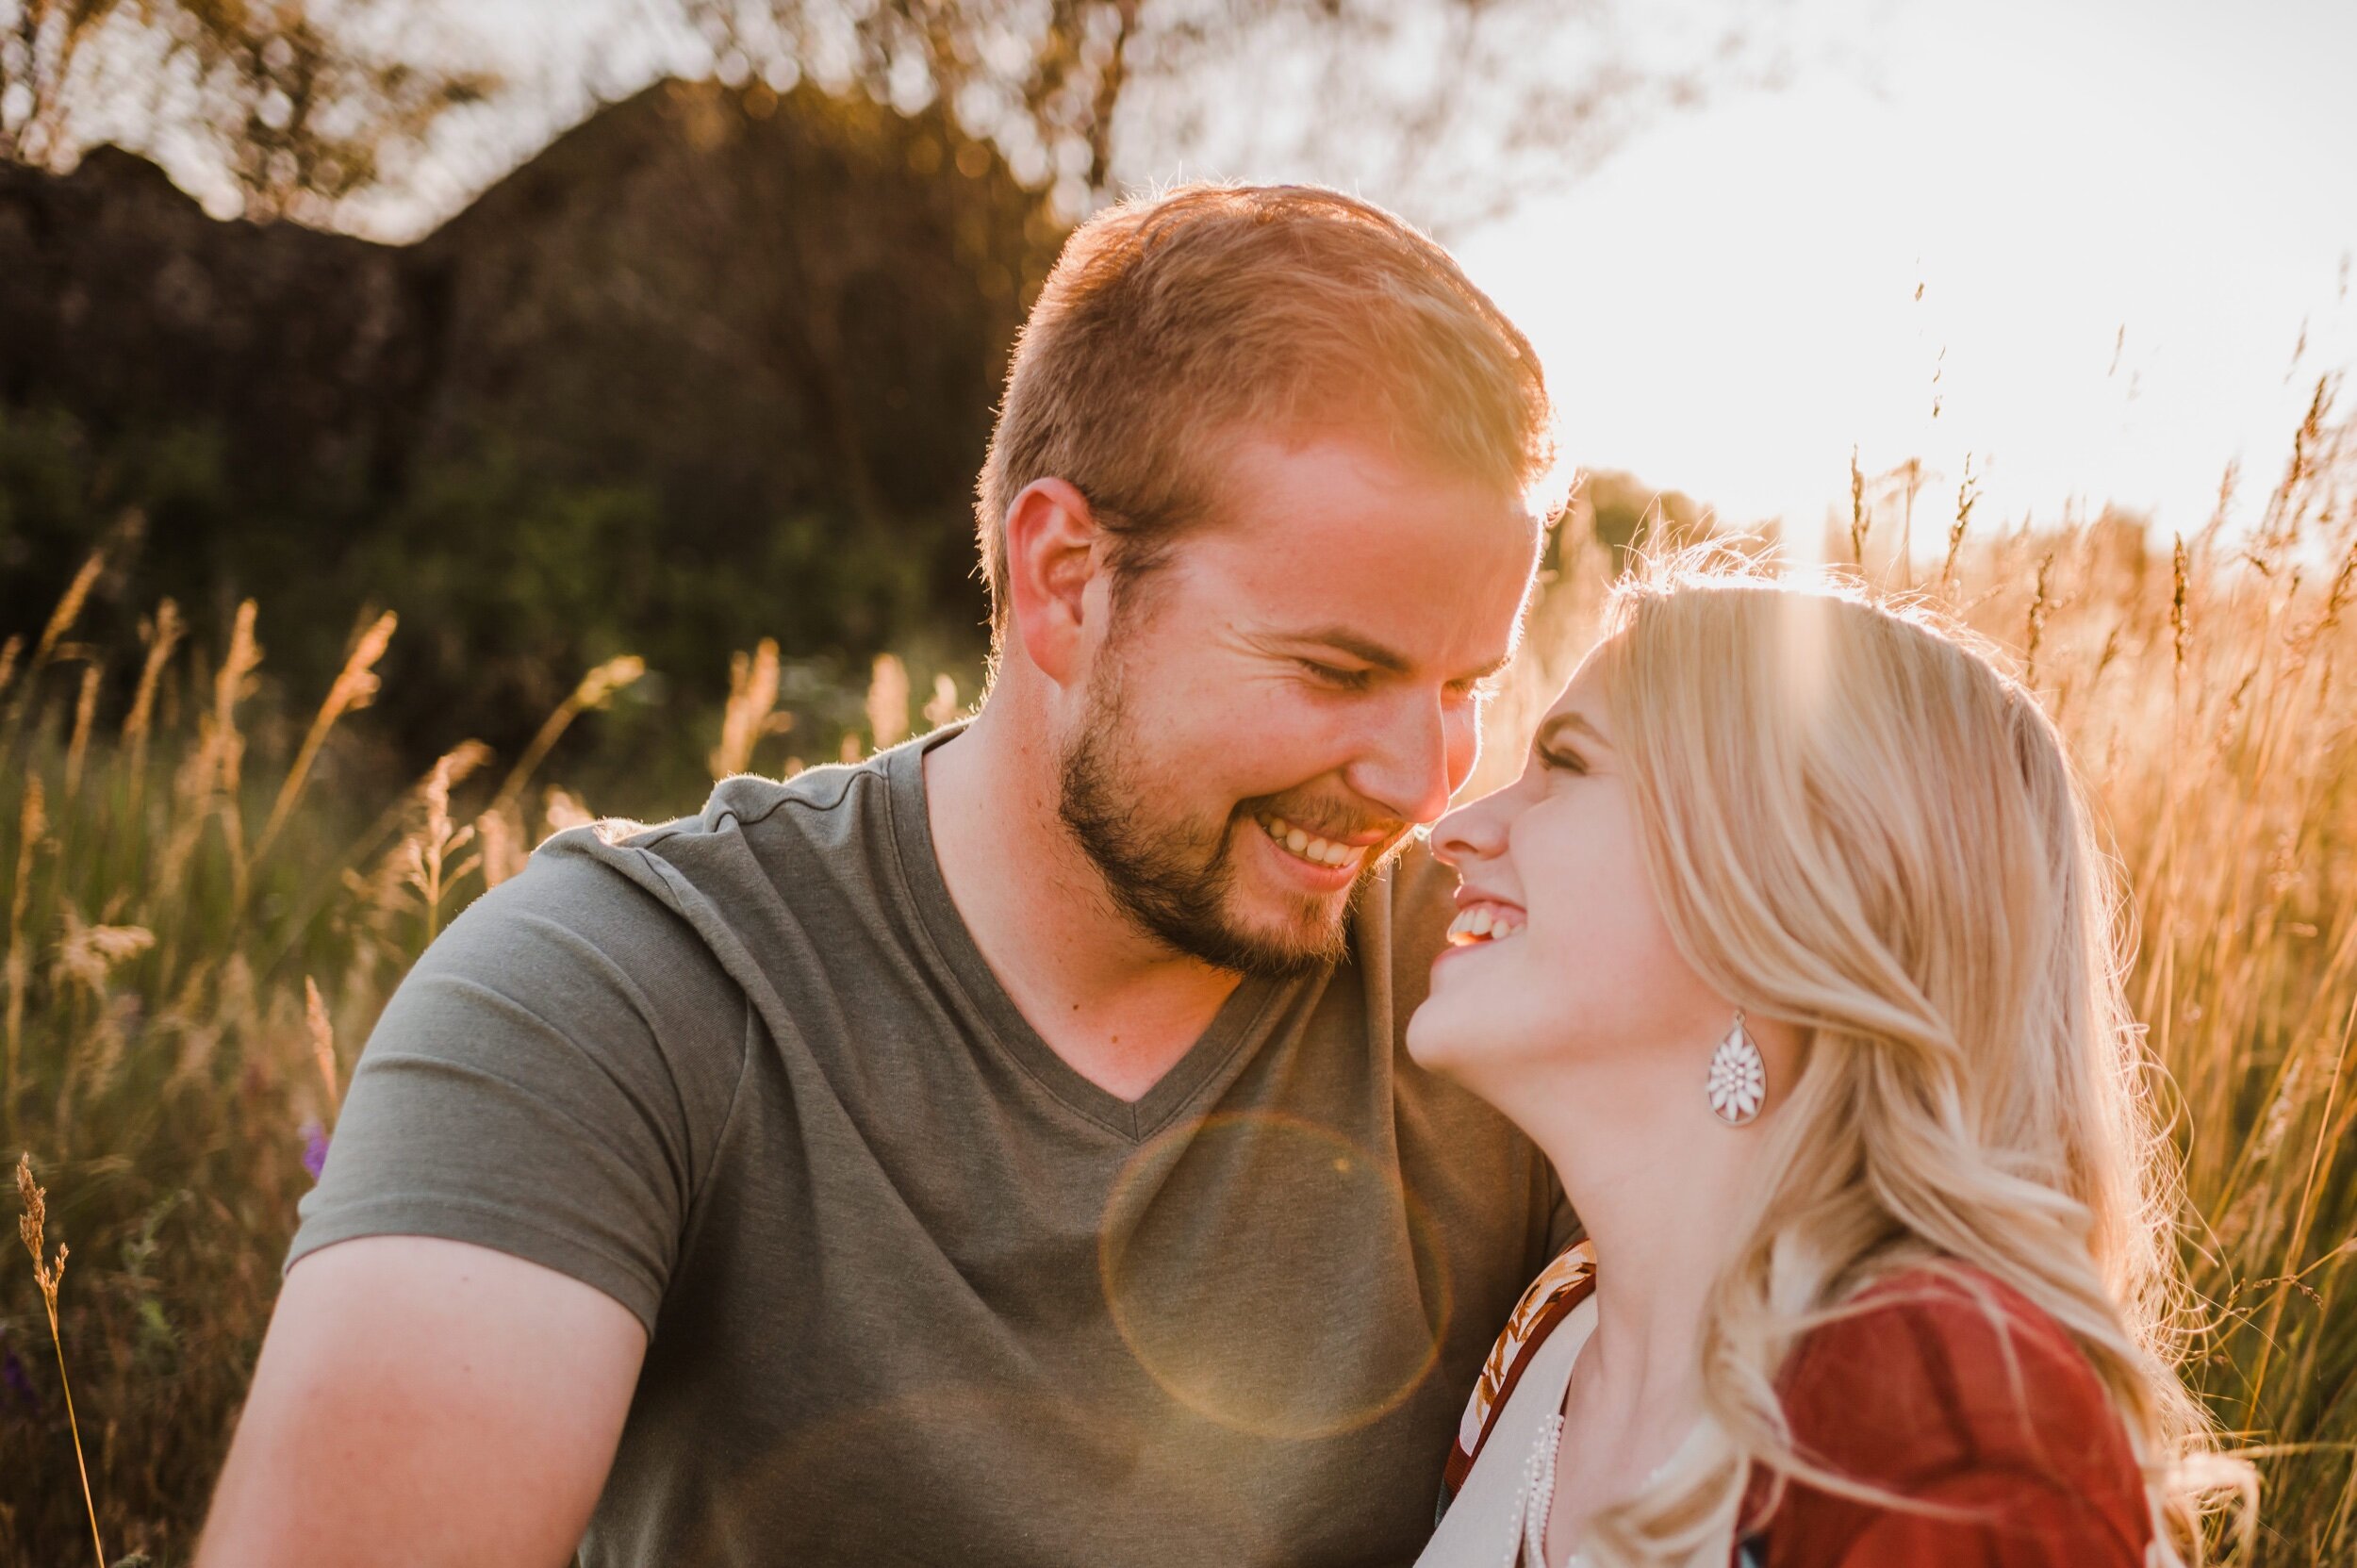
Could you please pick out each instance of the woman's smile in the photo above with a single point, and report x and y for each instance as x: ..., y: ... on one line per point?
x: 1482, y: 921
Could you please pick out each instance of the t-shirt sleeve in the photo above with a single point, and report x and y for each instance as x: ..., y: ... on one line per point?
x: 550, y: 1079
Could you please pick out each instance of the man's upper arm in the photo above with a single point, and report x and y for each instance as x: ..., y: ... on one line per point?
x: 426, y: 1403
x: 550, y: 1079
x: 469, y: 1295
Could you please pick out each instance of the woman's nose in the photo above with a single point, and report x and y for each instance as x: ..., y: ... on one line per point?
x: 1474, y: 831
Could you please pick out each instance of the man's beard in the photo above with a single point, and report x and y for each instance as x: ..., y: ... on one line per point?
x: 1169, y: 885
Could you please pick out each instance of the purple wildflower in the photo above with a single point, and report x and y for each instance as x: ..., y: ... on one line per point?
x: 19, y: 1381
x: 314, y: 1148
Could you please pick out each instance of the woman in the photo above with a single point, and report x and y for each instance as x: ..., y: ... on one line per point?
x: 1794, y: 950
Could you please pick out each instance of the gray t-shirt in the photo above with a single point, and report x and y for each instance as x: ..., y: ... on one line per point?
x: 919, y: 1291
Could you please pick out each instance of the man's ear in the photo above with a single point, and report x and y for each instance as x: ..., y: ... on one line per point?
x: 1052, y: 556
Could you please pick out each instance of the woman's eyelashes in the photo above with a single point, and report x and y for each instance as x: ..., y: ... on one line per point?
x: 1560, y: 759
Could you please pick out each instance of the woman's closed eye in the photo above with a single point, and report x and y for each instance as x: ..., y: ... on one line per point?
x: 1560, y: 759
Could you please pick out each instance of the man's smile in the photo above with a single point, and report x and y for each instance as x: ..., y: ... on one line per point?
x: 1304, y: 844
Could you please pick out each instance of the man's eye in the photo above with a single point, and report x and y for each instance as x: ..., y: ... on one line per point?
x: 1348, y: 680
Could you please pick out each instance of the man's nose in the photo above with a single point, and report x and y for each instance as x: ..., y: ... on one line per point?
x: 1412, y: 766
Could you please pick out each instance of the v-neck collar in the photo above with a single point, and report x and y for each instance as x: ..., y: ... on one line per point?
x: 1232, y: 1027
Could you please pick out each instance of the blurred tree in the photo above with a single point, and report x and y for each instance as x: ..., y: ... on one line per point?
x: 294, y: 100
x: 37, y: 55
x: 716, y: 365
x: 1449, y: 109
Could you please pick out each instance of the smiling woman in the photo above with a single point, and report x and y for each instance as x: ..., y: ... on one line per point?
x: 1794, y: 950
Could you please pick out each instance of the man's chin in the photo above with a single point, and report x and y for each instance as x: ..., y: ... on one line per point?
x: 1308, y: 936
x: 1240, y: 912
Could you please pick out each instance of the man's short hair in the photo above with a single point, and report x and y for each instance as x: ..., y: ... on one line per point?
x: 1171, y: 321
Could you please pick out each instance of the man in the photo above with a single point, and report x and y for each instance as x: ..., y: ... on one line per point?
x: 1000, y: 1151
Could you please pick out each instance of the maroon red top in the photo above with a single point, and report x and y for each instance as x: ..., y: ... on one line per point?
x: 1919, y: 1396
x: 1922, y: 1396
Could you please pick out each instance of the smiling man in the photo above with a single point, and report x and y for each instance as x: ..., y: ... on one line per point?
x: 1003, y: 1150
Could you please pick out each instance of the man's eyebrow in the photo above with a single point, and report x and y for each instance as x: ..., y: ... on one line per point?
x: 1342, y: 639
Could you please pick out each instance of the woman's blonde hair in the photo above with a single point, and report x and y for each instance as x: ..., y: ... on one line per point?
x: 1855, y: 820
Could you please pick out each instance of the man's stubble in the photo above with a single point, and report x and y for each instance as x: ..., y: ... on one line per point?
x: 1169, y: 877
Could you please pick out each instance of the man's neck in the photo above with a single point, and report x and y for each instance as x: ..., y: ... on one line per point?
x: 1119, y: 1008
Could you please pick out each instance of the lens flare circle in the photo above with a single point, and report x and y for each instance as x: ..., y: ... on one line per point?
x: 1250, y: 1322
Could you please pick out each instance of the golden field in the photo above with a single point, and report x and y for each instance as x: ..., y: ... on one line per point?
x: 208, y: 895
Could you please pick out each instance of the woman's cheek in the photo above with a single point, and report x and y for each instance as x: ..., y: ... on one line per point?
x: 1590, y: 933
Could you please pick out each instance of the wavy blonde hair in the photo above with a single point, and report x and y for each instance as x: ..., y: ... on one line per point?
x: 1855, y: 820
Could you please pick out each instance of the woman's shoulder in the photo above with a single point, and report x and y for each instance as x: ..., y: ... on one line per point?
x: 1560, y: 1288
x: 1940, y: 1365
x: 1946, y: 1384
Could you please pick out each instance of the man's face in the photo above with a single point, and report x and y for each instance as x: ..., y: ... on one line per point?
x: 1296, y: 688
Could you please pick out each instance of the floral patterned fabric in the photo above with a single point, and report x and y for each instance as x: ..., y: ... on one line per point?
x: 1562, y: 1285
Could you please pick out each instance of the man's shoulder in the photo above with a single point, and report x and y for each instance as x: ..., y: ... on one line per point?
x: 666, y: 905
x: 751, y: 833
x: 810, y: 801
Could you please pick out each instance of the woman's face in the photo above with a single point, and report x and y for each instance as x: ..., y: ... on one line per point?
x: 1559, y: 957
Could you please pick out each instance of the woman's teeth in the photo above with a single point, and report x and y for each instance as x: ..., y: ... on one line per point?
x: 1309, y: 847
x: 1484, y: 923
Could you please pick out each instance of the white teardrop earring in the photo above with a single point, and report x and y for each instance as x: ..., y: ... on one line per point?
x: 1739, y: 1076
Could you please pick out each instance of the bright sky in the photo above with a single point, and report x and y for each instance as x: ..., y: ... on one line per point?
x: 2121, y: 214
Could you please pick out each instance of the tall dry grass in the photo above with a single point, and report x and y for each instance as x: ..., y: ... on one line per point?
x: 2208, y: 686
x: 198, y: 934
x: 204, y: 914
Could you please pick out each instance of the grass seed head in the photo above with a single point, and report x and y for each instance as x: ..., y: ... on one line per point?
x: 31, y: 1225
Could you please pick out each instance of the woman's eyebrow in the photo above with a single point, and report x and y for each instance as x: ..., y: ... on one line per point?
x: 1555, y: 727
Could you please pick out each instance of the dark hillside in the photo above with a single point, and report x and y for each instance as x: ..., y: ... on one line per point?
x: 712, y: 367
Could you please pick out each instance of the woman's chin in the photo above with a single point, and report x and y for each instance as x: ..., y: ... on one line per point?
x: 1436, y: 1042
x: 1487, y: 1052
x: 1457, y: 1023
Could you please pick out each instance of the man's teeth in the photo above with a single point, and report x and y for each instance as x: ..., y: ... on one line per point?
x: 1484, y: 923
x: 1309, y: 847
